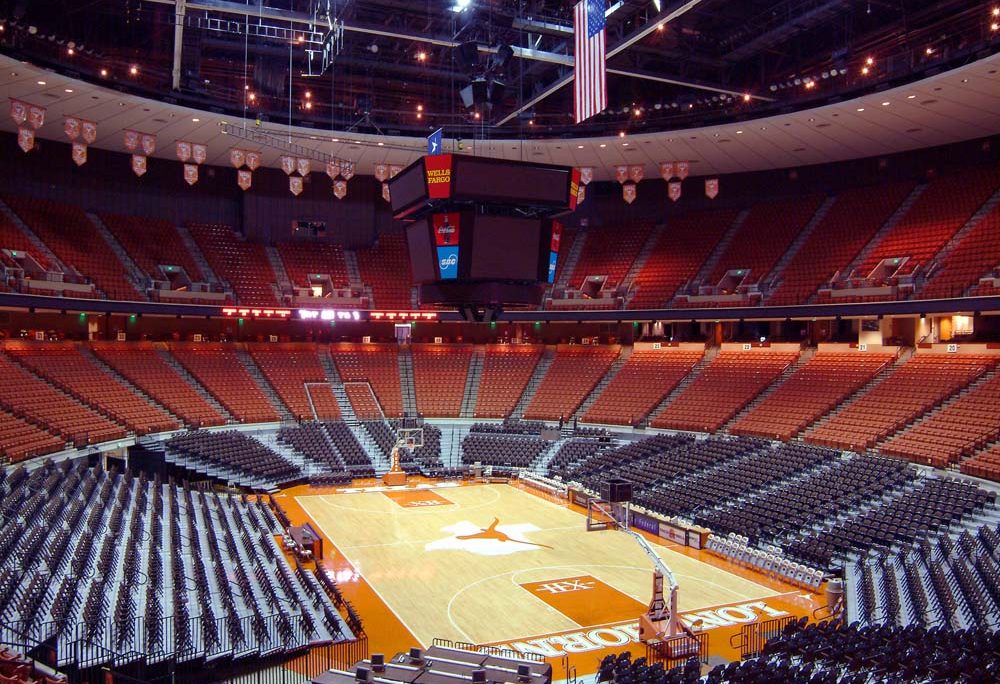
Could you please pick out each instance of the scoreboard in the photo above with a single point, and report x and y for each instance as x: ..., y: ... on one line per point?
x: 482, y: 230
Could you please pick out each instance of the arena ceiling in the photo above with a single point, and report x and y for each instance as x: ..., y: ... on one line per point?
x: 957, y: 105
x: 396, y: 66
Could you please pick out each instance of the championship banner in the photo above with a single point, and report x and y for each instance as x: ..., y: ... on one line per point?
x: 711, y: 187
x: 199, y: 153
x: 71, y: 127
x: 621, y: 173
x: 138, y: 165
x: 18, y: 111
x: 148, y: 144
x: 237, y: 157
x: 380, y: 172
x: 385, y: 192
x: 628, y: 192
x: 131, y: 141
x: 79, y: 154
x: 287, y: 164
x: 253, y: 160
x: 574, y: 188
x: 347, y: 170
x: 191, y: 173
x: 183, y: 151
x: 556, y: 240
x: 394, y: 170
x: 88, y: 129
x: 295, y: 185
x: 581, y: 194
x: 682, y: 169
x: 340, y: 189
x: 667, y: 171
x: 244, y: 178
x: 636, y: 172
x: 25, y: 138
x: 36, y: 116
x: 586, y: 175
x: 303, y: 166
x: 674, y: 190
x: 332, y: 170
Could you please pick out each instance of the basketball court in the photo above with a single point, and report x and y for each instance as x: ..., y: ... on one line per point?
x: 494, y: 564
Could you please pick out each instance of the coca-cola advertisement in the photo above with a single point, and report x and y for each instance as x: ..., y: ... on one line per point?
x: 446, y: 228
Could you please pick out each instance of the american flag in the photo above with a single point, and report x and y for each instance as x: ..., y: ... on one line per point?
x: 590, y: 88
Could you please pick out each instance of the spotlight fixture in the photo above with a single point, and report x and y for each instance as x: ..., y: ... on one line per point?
x: 746, y: 96
x: 133, y: 70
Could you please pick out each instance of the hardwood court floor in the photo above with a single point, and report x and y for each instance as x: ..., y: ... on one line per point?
x: 492, y: 563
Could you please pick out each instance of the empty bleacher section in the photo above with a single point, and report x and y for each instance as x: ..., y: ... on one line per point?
x: 573, y: 374
x: 243, y: 265
x: 976, y: 255
x: 507, y: 368
x: 141, y: 365
x: 764, y: 237
x: 439, y: 374
x: 812, y: 390
x: 834, y: 489
x: 950, y: 579
x: 985, y: 464
x: 335, y: 451
x: 385, y: 267
x: 831, y: 651
x: 27, y: 396
x: 738, y: 468
x: 305, y: 259
x: 295, y: 373
x: 375, y: 365
x: 505, y: 450
x: 958, y: 428
x: 682, y: 248
x: 944, y: 207
x: 152, y: 243
x: 912, y: 390
x: 609, y: 251
x: 67, y: 231
x: 646, y: 378
x: 64, y: 366
x: 231, y: 456
x: 13, y: 238
x: 217, y: 367
x: 20, y: 439
x: 727, y: 384
x: 110, y: 568
x: 926, y: 505
x: 851, y: 223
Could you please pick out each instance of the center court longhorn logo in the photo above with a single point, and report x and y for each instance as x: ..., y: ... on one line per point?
x: 495, y: 540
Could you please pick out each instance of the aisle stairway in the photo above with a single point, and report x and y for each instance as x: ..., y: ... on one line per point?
x: 548, y: 356
x: 264, y: 385
x: 472, y: 380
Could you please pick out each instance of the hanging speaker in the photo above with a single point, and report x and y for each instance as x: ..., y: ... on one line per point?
x: 467, y: 56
